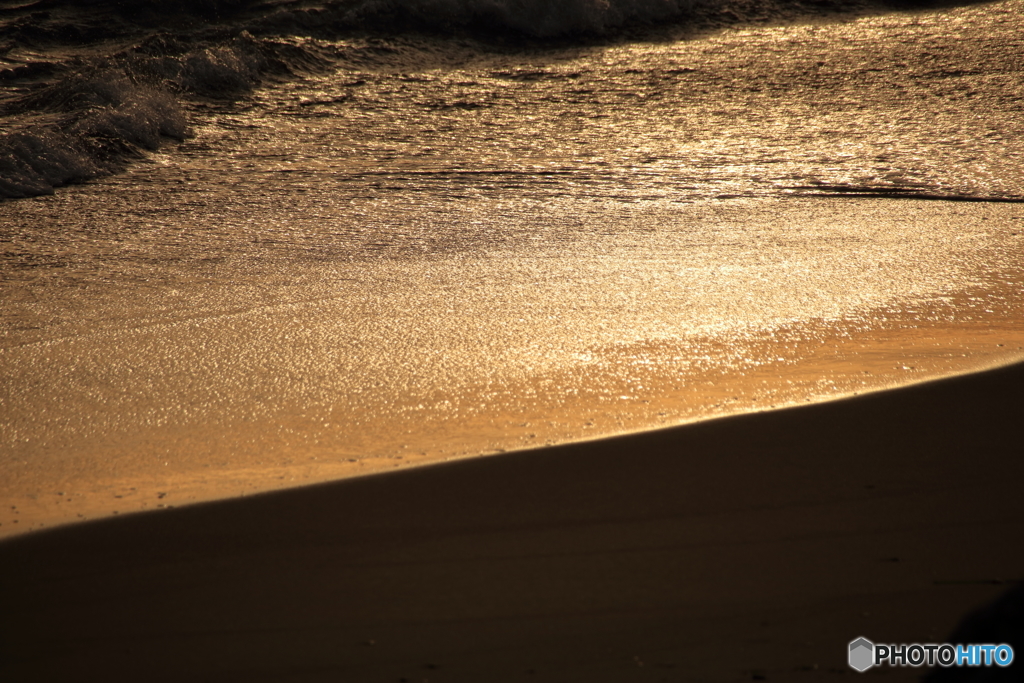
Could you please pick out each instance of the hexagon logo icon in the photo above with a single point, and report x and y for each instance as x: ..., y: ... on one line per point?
x: 862, y: 654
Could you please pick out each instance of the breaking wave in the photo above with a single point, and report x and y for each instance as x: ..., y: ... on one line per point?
x: 91, y: 117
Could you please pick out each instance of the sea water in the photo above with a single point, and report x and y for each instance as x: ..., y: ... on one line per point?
x: 249, y: 244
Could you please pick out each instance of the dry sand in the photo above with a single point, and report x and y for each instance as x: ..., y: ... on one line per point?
x: 746, y: 548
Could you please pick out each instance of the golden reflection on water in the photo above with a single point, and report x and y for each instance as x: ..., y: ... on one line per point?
x: 511, y: 253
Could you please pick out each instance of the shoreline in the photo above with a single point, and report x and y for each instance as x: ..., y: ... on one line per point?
x: 753, y: 545
x: 793, y: 366
x: 172, y: 335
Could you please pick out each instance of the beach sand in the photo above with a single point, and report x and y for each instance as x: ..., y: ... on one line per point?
x: 114, y: 421
x: 752, y: 547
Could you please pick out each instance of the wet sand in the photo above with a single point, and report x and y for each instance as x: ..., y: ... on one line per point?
x: 749, y: 547
x: 795, y: 365
x: 238, y: 390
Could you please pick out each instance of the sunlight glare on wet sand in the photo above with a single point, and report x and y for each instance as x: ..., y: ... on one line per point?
x: 353, y: 368
x: 458, y: 262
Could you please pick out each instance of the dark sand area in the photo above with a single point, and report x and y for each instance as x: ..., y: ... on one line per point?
x: 746, y: 548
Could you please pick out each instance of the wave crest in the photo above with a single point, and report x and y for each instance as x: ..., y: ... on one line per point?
x: 97, y: 117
